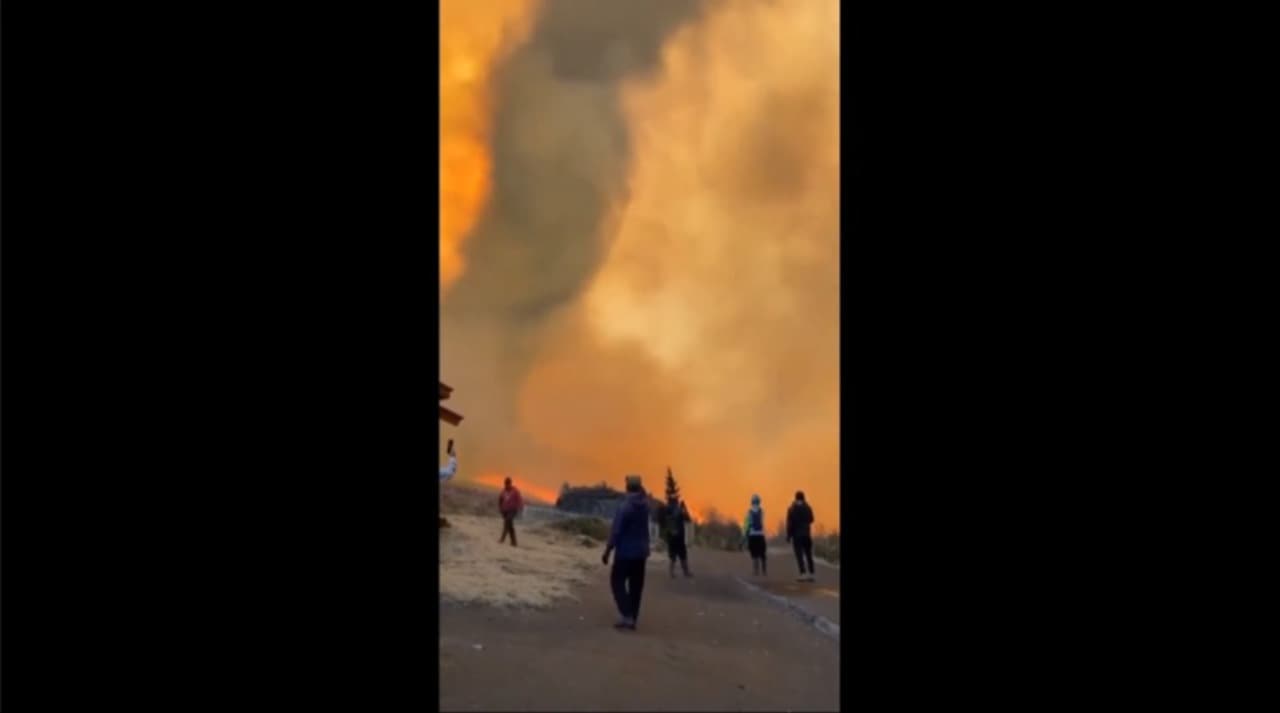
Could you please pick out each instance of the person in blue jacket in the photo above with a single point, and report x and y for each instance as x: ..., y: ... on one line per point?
x: 630, y: 537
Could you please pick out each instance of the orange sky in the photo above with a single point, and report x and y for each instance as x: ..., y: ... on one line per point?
x: 689, y: 316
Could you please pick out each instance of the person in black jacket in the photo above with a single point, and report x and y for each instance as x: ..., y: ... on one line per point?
x: 799, y: 519
x: 753, y: 529
x: 677, y: 514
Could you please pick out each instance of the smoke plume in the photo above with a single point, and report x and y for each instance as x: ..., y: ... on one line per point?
x: 653, y: 279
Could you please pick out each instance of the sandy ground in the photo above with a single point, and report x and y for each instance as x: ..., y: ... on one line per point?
x: 706, y: 643
x: 547, y: 566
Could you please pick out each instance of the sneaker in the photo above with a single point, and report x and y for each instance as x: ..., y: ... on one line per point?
x: 621, y: 624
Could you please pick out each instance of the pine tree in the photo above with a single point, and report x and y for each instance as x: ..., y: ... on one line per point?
x: 673, y: 490
x: 663, y: 511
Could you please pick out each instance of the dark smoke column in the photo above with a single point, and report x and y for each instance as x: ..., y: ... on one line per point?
x: 561, y: 156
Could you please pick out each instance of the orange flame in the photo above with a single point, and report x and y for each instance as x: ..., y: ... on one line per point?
x: 698, y: 514
x: 527, y: 489
x: 474, y: 36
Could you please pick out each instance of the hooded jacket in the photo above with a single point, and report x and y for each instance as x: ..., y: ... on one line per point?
x: 799, y: 518
x: 630, y: 534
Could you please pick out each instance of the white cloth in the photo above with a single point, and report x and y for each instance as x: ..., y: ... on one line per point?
x: 447, y: 472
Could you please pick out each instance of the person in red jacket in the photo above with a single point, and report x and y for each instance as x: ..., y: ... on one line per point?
x: 509, y: 505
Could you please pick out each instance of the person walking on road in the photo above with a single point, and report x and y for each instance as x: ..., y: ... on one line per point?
x: 753, y: 527
x: 799, y: 519
x: 509, y: 505
x: 677, y: 548
x: 630, y: 537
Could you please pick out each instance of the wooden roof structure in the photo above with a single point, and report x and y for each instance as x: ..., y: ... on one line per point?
x: 448, y: 415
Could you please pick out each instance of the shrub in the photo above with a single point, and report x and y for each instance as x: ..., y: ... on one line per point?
x: 827, y: 547
x: 718, y: 533
x: 591, y: 527
x: 465, y: 499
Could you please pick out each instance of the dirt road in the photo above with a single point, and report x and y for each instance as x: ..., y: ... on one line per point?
x: 706, y: 643
x: 820, y: 597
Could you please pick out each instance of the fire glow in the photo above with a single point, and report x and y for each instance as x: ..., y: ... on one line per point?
x: 479, y: 33
x: 531, y: 491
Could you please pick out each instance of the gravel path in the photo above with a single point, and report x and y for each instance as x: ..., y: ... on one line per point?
x: 706, y: 643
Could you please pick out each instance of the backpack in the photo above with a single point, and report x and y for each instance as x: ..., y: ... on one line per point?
x: 757, y: 521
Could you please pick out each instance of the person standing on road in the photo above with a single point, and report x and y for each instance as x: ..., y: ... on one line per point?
x: 509, y: 505
x: 630, y: 537
x: 799, y: 518
x: 677, y: 516
x: 753, y: 528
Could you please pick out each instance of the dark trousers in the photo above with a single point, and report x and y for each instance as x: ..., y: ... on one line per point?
x: 627, y: 580
x: 677, y: 550
x: 759, y: 550
x: 508, y: 528
x: 804, y: 551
